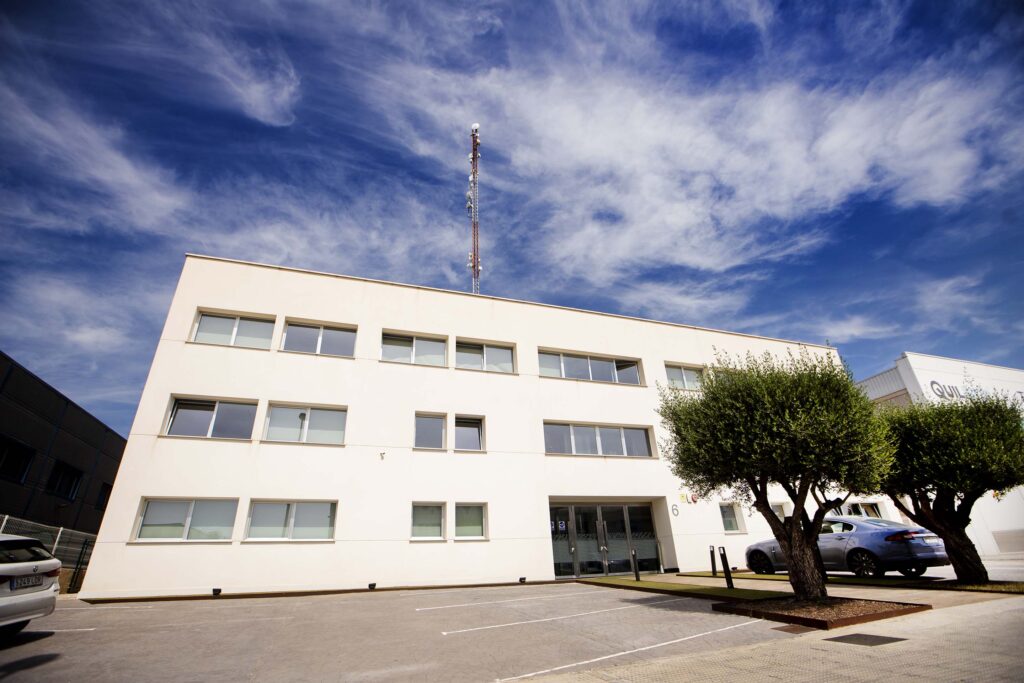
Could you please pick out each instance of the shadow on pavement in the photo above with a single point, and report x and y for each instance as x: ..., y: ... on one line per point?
x: 24, y: 664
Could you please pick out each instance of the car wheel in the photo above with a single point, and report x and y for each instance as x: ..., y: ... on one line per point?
x: 759, y: 563
x: 864, y: 564
x: 11, y: 630
x: 913, y: 572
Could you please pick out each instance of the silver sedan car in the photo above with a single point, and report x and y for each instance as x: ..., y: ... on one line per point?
x: 866, y: 546
x: 28, y: 582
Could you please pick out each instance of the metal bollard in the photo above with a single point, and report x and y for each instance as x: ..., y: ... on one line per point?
x: 636, y: 567
x: 714, y: 569
x: 725, y: 566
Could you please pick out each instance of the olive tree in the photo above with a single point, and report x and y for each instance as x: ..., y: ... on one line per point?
x: 948, y: 455
x: 797, y: 422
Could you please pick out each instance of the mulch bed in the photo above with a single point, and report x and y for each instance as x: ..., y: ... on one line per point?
x: 827, y: 614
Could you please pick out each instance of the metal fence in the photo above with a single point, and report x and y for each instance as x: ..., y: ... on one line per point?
x: 72, y: 548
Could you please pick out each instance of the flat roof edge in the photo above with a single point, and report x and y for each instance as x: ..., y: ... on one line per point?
x: 961, y: 360
x: 356, y: 278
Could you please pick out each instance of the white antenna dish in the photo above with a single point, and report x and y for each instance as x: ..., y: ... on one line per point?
x: 476, y: 126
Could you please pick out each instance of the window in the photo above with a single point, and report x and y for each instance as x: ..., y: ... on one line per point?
x: 594, y: 369
x: 64, y: 480
x: 780, y: 510
x: 319, y: 339
x: 15, y: 459
x: 469, y: 433
x: 428, y: 520
x: 291, y: 520
x: 730, y: 516
x: 862, y: 510
x: 214, y: 419
x: 429, y: 431
x: 483, y: 357
x: 103, y: 496
x: 252, y: 333
x: 683, y: 377
x: 596, y: 440
x: 192, y: 520
x: 469, y: 521
x: 418, y: 350
x: 306, y: 425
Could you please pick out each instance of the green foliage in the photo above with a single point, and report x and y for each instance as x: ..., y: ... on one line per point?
x: 964, y: 448
x: 793, y: 421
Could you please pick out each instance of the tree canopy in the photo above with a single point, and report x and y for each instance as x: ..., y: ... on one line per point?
x: 798, y: 422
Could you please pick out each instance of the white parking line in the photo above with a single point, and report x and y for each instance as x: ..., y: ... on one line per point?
x: 567, y: 616
x: 625, y: 652
x: 66, y: 609
x: 498, y: 602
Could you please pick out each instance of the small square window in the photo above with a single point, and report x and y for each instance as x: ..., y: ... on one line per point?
x: 576, y: 367
x: 550, y: 364
x: 338, y: 342
x: 254, y: 334
x: 730, y: 520
x: 780, y: 510
x: 269, y: 520
x: 627, y: 372
x: 637, y: 442
x: 164, y: 519
x: 611, y: 440
x: 429, y: 431
x: 15, y: 459
x: 215, y: 329
x: 469, y: 521
x: 303, y: 338
x: 233, y: 421
x: 602, y: 370
x: 212, y: 520
x: 684, y: 378
x: 469, y: 434
x: 306, y: 425
x: 557, y: 439
x: 584, y: 439
x: 103, y: 497
x: 469, y: 356
x: 430, y: 351
x: 499, y: 359
x: 64, y: 480
x: 217, y: 419
x: 428, y: 521
x: 396, y: 349
x: 191, y: 418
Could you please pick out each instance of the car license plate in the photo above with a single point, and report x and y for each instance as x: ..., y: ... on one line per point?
x: 933, y: 541
x: 26, y: 582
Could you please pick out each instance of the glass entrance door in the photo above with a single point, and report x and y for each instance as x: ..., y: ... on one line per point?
x: 588, y: 540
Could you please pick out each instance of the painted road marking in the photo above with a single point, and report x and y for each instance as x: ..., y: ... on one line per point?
x: 625, y: 652
x: 62, y: 630
x: 65, y: 609
x: 498, y: 602
x: 567, y: 616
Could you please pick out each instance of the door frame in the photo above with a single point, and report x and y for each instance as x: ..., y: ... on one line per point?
x: 602, y: 536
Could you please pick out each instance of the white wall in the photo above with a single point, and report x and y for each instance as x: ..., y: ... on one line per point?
x: 377, y: 475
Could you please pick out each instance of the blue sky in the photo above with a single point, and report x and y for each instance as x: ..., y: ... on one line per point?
x: 851, y: 172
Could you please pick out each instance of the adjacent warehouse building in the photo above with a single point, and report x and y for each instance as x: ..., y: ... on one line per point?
x: 997, y: 521
x: 57, y: 462
x: 307, y: 431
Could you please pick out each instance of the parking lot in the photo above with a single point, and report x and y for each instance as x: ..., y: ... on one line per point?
x: 461, y: 634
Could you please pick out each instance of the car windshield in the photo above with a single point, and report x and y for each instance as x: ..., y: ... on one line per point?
x: 22, y: 550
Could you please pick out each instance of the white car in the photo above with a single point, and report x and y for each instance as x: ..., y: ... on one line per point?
x: 28, y: 583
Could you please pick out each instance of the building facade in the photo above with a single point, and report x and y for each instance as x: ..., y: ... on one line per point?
x: 57, y: 462
x: 305, y: 431
x: 997, y: 520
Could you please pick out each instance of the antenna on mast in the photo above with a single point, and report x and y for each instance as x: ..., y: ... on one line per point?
x: 473, y: 206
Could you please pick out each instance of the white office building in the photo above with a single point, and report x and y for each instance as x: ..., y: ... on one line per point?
x: 997, y: 520
x: 303, y: 431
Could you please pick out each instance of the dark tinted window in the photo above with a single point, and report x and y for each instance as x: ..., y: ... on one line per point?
x: 64, y: 480
x: 18, y: 550
x: 234, y: 421
x: 556, y: 439
x: 103, y: 497
x: 338, y: 342
x: 15, y: 459
x: 301, y: 338
x: 191, y: 418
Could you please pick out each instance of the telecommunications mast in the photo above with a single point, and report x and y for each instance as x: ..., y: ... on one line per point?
x: 473, y: 206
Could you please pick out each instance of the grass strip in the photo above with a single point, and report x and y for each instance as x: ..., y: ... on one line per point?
x: 685, y: 589
x: 932, y: 583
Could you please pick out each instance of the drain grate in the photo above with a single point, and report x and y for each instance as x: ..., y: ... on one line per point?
x: 865, y: 639
x: 794, y: 628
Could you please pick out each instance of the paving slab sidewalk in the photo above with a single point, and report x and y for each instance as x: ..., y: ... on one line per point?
x: 938, y: 599
x: 979, y: 641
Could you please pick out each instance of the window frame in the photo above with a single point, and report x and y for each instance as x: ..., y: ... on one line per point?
x: 10, y: 444
x: 741, y: 527
x: 141, y: 517
x: 444, y: 430
x: 597, y: 430
x: 684, y: 367
x: 321, y: 326
x: 305, y: 424
x: 102, y: 501
x: 66, y: 467
x: 483, y: 433
x: 292, y: 504
x: 412, y: 351
x: 258, y: 317
x: 213, y: 418
x: 485, y: 345
x: 614, y: 360
x: 444, y: 521
x: 483, y: 523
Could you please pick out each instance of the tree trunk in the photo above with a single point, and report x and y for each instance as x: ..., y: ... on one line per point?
x: 805, y: 576
x: 964, y: 557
